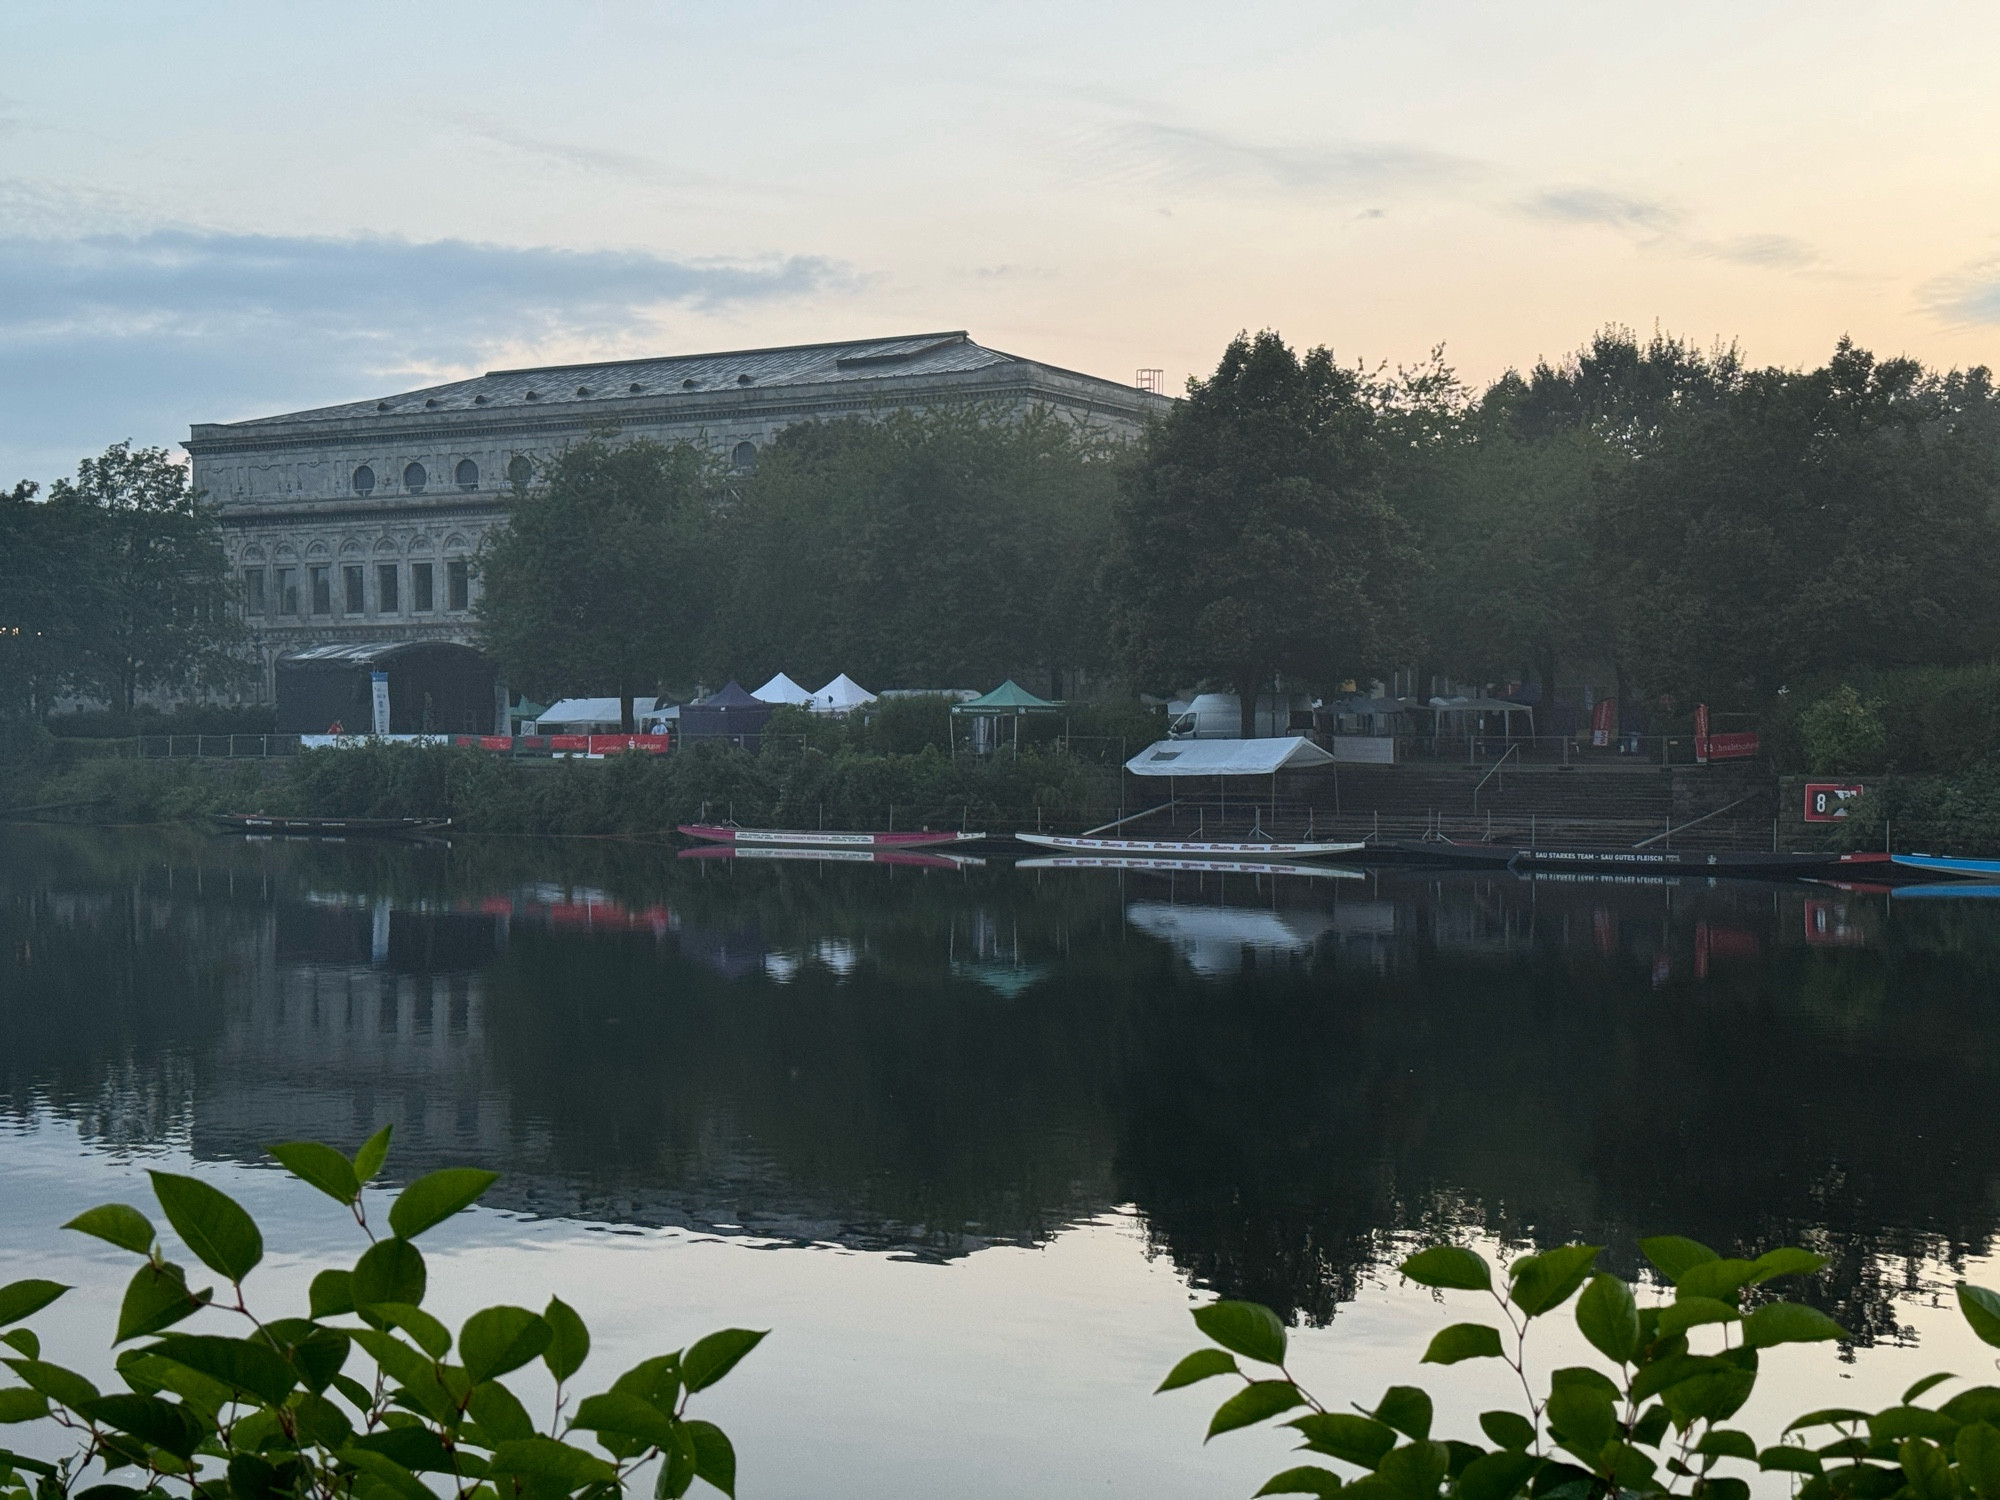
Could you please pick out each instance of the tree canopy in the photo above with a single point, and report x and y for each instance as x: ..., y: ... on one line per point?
x: 596, y: 584
x: 1253, y: 538
x: 114, y: 586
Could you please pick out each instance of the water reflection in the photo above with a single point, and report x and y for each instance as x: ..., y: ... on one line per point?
x: 1280, y: 1073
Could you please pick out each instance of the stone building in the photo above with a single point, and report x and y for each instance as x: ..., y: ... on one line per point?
x: 359, y: 523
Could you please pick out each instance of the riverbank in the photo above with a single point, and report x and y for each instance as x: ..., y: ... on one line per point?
x: 626, y: 794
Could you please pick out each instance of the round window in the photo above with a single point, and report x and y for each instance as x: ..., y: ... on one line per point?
x: 467, y: 474
x: 364, y: 480
x: 414, y: 479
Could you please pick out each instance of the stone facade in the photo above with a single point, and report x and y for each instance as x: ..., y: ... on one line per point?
x: 360, y: 522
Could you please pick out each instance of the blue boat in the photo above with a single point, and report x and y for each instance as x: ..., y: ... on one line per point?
x: 1954, y: 890
x: 1987, y: 869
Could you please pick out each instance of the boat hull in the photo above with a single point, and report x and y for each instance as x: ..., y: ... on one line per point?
x: 1162, y: 864
x: 1695, y: 862
x: 805, y: 838
x: 263, y: 823
x: 1185, y: 848
x: 923, y: 859
x: 1941, y: 864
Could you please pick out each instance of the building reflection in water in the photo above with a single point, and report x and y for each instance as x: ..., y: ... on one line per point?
x: 1282, y: 1074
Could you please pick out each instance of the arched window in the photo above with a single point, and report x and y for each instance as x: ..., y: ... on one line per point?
x: 364, y: 480
x: 414, y: 479
x: 520, y: 471
x: 744, y: 457
x: 467, y: 474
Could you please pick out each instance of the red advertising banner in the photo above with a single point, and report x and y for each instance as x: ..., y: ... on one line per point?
x: 1708, y: 747
x: 1826, y: 801
x: 1603, y: 721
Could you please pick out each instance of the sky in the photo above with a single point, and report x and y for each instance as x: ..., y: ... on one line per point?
x: 211, y: 211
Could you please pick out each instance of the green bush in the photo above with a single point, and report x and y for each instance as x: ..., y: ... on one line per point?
x: 1650, y: 1415
x: 122, y: 789
x: 275, y: 1414
x: 1843, y: 734
x: 1937, y: 814
x: 908, y: 726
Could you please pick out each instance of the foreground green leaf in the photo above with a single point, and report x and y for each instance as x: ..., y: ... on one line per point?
x: 1607, y: 1315
x: 1788, y: 1323
x: 1256, y: 1402
x: 436, y: 1196
x: 157, y: 1297
x: 500, y: 1339
x: 710, y: 1358
x: 210, y: 1223
x: 1304, y: 1480
x: 1462, y: 1341
x: 714, y: 1456
x: 117, y: 1224
x: 569, y: 1342
x: 321, y: 1166
x: 1200, y: 1365
x: 1451, y: 1267
x: 22, y: 1299
x: 1541, y: 1283
x: 1674, y: 1255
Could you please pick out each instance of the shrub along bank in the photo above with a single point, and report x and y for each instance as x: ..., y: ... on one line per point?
x: 788, y: 784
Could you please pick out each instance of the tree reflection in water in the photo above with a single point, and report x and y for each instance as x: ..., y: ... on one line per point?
x: 1284, y: 1076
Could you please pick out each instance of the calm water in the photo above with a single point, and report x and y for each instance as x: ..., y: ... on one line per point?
x: 972, y: 1140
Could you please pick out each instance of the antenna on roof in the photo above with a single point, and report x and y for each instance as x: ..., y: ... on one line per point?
x: 1151, y: 380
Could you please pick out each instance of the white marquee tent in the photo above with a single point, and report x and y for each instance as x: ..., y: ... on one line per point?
x: 591, y: 715
x: 1228, y: 757
x: 781, y: 689
x: 840, y: 696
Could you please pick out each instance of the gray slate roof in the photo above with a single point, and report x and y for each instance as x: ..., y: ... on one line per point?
x: 743, y: 369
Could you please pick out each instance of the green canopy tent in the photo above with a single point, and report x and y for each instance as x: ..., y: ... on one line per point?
x: 1008, y: 701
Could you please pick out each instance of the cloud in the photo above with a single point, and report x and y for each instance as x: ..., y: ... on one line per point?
x: 104, y: 336
x: 1777, y: 251
x: 1178, y: 156
x: 1584, y: 205
x: 1969, y: 295
x: 565, y: 155
x: 1659, y: 226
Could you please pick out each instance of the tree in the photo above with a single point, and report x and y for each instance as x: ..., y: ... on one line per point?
x: 38, y: 608
x: 1507, y: 536
x: 941, y: 549
x: 594, y: 583
x: 147, y: 578
x: 1810, y: 522
x: 1253, y: 539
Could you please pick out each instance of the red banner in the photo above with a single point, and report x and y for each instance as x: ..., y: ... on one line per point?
x: 1603, y: 721
x: 1708, y: 747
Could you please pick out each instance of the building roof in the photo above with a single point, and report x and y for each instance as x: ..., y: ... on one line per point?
x: 845, y: 363
x: 364, y: 653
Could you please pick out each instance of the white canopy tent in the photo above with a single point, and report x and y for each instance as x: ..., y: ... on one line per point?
x: 1228, y: 757
x: 840, y: 696
x: 591, y: 715
x: 781, y: 689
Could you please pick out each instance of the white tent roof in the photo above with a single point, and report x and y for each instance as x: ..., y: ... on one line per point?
x: 591, y: 711
x: 1227, y: 757
x: 839, y: 695
x: 781, y: 689
x: 1480, y: 706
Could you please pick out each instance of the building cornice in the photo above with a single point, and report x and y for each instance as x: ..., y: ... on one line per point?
x: 720, y: 409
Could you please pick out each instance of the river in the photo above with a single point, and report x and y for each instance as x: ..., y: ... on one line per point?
x: 971, y: 1140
